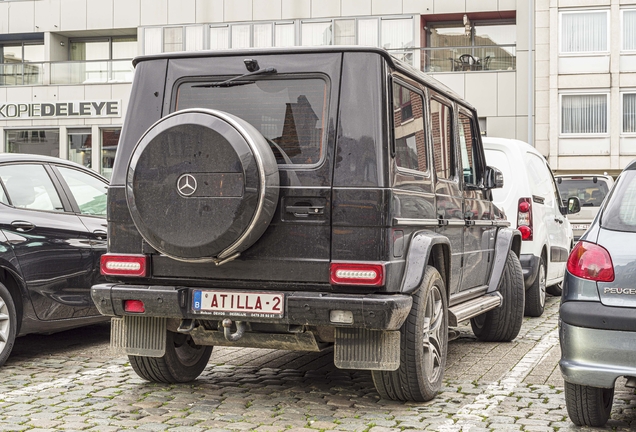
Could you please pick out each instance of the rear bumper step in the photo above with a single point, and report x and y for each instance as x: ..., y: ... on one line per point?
x: 370, y: 311
x: 473, y: 308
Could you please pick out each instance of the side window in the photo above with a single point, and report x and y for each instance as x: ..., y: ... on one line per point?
x: 408, y: 119
x: 466, y: 143
x: 441, y: 122
x: 89, y: 192
x: 540, y: 178
x: 30, y: 187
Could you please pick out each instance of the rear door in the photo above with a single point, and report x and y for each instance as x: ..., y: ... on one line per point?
x: 50, y: 243
x: 294, y: 108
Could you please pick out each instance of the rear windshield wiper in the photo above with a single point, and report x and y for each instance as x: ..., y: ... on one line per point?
x: 236, y: 81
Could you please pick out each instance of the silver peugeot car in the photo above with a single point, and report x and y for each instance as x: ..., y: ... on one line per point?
x: 597, y: 326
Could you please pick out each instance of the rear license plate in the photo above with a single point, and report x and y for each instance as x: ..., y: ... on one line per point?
x: 237, y: 303
x: 582, y: 227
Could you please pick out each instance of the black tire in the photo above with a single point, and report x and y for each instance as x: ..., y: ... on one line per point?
x: 183, y: 361
x: 535, y: 295
x: 503, y: 323
x: 588, y: 406
x: 554, y: 290
x: 8, y: 324
x: 419, y: 377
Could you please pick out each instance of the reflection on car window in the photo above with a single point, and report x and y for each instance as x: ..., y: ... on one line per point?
x: 466, y: 147
x: 620, y: 213
x: 29, y: 186
x: 589, y: 192
x: 540, y: 178
x: 441, y: 130
x: 89, y: 192
x: 289, y: 113
x: 408, y: 118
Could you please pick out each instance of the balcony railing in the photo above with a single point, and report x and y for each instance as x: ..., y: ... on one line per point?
x: 69, y: 72
x: 461, y: 59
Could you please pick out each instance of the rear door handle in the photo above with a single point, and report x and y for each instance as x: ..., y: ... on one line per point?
x: 304, y: 211
x: 558, y: 220
x: 22, y: 226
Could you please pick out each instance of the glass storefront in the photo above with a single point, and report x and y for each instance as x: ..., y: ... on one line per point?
x: 80, y: 144
x: 110, y: 139
x: 33, y: 141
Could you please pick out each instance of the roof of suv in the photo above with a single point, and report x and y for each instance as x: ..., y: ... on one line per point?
x: 393, y: 62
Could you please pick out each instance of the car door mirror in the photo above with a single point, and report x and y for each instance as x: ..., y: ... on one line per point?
x: 574, y: 205
x: 493, y: 179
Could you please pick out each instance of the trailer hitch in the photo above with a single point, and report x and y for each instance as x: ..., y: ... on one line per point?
x: 227, y: 332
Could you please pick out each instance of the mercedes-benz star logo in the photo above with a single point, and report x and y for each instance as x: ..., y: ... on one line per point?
x: 186, y: 185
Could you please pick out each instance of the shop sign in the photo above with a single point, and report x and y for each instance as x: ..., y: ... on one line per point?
x: 70, y: 109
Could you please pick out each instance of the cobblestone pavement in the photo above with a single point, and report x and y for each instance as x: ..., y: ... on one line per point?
x: 69, y: 381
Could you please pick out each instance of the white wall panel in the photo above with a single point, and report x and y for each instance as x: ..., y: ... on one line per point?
x: 521, y: 132
x: 628, y: 80
x: 386, y: 7
x: 627, y: 63
x: 121, y: 92
x: 454, y: 81
x: 423, y: 7
x: 502, y: 127
x: 73, y: 15
x: 628, y: 146
x: 481, y: 92
x: 3, y: 95
x: 522, y: 83
x: 325, y: 8
x: 209, y: 11
x: 4, y: 17
x: 584, y: 146
x: 126, y: 13
x: 267, y: 10
x: 522, y: 29
x: 48, y: 94
x: 481, y: 5
x: 181, y: 11
x: 507, y: 5
x: 582, y: 3
x: 69, y: 93
x: 506, y: 94
x: 296, y: 9
x: 21, y: 17
x: 47, y: 16
x: 99, y: 14
x: 577, y: 65
x: 356, y: 7
x: 154, y: 12
x: 584, y: 81
x: 19, y: 94
x: 238, y: 10
x: 97, y: 91
x: 450, y: 6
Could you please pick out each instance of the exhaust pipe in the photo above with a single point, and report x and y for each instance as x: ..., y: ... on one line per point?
x: 233, y: 337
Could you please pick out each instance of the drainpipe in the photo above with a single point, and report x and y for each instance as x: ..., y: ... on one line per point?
x: 530, y: 73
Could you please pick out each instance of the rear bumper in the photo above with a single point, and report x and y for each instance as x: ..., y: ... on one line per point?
x: 529, y: 267
x: 370, y: 311
x: 594, y: 357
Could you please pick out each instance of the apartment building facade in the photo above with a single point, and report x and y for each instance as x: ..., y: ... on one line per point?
x: 66, y: 68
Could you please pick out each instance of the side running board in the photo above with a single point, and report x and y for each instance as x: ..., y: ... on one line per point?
x: 473, y: 308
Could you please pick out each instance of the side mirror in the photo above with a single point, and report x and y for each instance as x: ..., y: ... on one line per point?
x: 493, y: 179
x: 574, y: 205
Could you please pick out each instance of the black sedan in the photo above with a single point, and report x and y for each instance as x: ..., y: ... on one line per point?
x: 52, y: 235
x: 598, y: 308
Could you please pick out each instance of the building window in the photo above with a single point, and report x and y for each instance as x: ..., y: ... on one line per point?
x: 33, y: 141
x: 478, y: 46
x: 585, y: 114
x: 110, y: 140
x: 80, y: 146
x: 584, y: 32
x: 21, y: 63
x: 173, y: 39
x: 629, y: 30
x: 629, y: 113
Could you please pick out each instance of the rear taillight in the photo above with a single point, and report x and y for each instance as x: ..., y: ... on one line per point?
x: 357, y: 274
x: 124, y: 265
x: 591, y: 261
x: 524, y: 218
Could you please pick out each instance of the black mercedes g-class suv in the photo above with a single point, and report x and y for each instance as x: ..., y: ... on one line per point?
x: 302, y: 199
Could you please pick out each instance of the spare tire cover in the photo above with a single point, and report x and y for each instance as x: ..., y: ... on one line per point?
x: 202, y: 185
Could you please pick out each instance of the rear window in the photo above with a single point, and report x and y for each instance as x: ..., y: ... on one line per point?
x: 289, y: 113
x: 590, y: 193
x: 620, y: 212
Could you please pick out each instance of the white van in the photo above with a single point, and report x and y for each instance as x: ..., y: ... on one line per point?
x: 531, y: 202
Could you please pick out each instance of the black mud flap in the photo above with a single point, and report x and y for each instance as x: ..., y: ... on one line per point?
x: 364, y: 349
